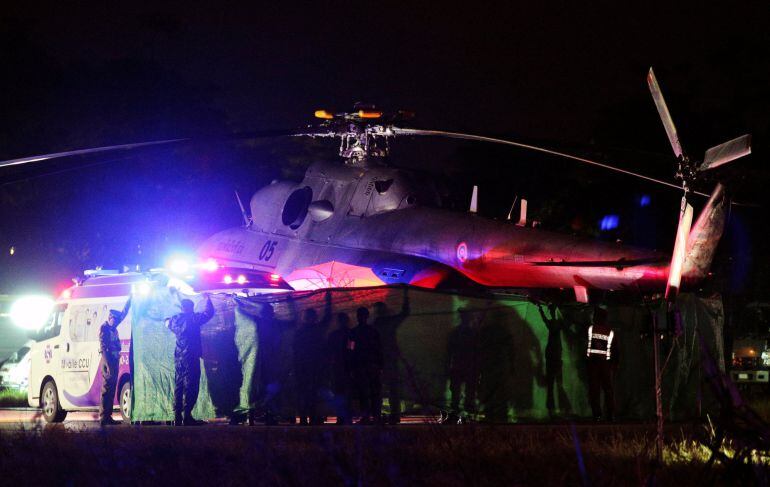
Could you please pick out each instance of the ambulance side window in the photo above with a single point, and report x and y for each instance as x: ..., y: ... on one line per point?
x: 77, y: 324
x: 93, y: 324
x: 53, y: 327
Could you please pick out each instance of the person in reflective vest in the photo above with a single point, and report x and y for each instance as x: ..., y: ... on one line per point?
x: 602, y: 354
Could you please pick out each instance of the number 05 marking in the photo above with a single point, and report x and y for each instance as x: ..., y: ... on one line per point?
x: 267, y: 250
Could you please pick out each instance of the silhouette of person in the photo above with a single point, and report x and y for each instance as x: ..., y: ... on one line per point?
x: 309, y: 362
x: 497, y: 368
x: 463, y: 365
x: 387, y: 325
x: 341, y: 375
x: 553, y: 360
x: 357, y: 348
x: 269, y: 341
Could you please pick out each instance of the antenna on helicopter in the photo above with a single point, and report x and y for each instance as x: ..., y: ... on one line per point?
x: 474, y: 200
x: 513, y: 205
x: 523, y: 214
x: 246, y: 217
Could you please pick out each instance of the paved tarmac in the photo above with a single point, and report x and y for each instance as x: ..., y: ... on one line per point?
x: 29, y: 419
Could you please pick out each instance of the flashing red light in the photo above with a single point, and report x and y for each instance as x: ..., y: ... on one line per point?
x: 66, y: 294
x: 241, y: 279
x: 210, y: 265
x: 275, y: 277
x: 228, y: 279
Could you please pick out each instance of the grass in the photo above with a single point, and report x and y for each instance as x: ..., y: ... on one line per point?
x: 453, y: 455
x: 10, y: 398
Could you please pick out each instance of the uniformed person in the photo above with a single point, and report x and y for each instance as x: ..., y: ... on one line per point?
x: 187, y: 366
x: 310, y: 363
x: 109, y: 347
x: 387, y: 325
x: 364, y: 343
x: 341, y: 369
x: 602, y: 357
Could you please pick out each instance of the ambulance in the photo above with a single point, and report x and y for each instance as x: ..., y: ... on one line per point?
x: 65, y: 361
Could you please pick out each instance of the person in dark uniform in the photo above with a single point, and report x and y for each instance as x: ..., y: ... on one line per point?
x: 363, y: 342
x: 340, y: 368
x: 357, y: 364
x: 270, y: 383
x: 387, y: 326
x: 463, y: 366
x: 309, y: 363
x: 602, y: 357
x: 109, y: 347
x: 553, y: 361
x: 187, y: 365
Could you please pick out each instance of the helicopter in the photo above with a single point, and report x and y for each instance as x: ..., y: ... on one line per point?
x: 364, y: 222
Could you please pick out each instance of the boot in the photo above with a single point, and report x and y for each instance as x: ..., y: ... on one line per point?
x: 108, y: 421
x: 190, y: 421
x: 178, y: 421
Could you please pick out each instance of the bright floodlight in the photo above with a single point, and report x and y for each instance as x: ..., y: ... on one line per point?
x: 31, y: 312
x: 179, y: 266
x: 143, y: 288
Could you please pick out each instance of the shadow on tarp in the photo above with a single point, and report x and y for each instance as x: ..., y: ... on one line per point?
x: 504, y: 350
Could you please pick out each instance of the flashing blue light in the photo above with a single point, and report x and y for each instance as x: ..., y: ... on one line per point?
x: 179, y: 264
x: 609, y: 222
x: 644, y: 200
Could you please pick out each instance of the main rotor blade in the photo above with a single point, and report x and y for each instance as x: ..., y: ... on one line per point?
x: 680, y: 247
x: 80, y: 152
x: 665, y: 116
x: 726, y: 152
x: 138, y: 145
x: 480, y: 138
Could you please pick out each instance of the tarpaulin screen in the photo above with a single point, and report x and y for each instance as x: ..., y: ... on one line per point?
x: 496, y: 354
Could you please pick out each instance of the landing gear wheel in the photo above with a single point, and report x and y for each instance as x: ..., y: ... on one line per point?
x: 49, y: 402
x: 125, y: 401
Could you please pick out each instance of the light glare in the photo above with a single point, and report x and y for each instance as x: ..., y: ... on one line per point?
x: 210, y: 265
x: 31, y: 312
x: 179, y: 266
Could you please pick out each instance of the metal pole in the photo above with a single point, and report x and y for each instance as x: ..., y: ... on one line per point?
x: 658, y: 392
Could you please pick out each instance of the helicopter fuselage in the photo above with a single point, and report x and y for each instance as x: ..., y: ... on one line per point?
x: 364, y: 226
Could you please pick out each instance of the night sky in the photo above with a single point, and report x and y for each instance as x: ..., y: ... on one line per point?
x: 560, y: 75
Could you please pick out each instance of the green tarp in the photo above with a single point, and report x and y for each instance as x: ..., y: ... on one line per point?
x: 508, y: 346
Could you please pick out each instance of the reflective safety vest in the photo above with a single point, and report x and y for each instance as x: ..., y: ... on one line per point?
x: 600, y: 343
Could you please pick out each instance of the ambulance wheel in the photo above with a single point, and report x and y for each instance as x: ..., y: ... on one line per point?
x: 125, y: 401
x: 49, y: 402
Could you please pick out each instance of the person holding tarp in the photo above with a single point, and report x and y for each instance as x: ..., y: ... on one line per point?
x: 309, y: 363
x: 187, y: 354
x: 554, y: 381
x: 387, y: 325
x: 357, y: 358
x: 109, y: 347
x: 271, y: 380
x: 602, y: 356
x: 342, y: 382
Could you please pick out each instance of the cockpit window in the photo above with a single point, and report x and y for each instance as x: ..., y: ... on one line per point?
x: 296, y: 206
x: 383, y: 186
